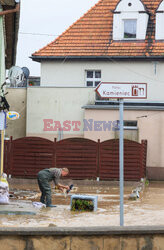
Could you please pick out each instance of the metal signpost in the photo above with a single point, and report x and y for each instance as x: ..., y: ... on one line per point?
x: 122, y: 91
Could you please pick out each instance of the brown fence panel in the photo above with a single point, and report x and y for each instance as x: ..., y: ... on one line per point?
x: 29, y: 155
x: 143, y: 158
x: 79, y: 155
x: 86, y: 159
x: 7, y: 157
x: 109, y: 160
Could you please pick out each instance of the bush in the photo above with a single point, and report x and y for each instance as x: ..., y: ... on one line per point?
x: 82, y: 205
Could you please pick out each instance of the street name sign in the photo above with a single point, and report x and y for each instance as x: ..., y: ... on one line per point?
x: 122, y: 90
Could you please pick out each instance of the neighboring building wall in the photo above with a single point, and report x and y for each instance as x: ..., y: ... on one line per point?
x: 73, y: 74
x: 47, y: 108
x: 65, y: 104
x: 16, y: 98
x: 56, y: 104
x: 2, y: 52
x: 149, y: 127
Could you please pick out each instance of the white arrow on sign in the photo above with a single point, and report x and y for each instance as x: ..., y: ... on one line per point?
x: 122, y: 90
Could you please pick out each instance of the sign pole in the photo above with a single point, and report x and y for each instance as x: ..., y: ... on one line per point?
x: 2, y: 150
x: 2, y: 129
x: 121, y: 160
x: 121, y: 91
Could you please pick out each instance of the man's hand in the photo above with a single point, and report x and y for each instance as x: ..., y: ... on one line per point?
x: 67, y: 187
x: 62, y: 187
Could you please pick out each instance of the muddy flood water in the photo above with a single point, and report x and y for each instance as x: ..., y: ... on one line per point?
x: 147, y: 210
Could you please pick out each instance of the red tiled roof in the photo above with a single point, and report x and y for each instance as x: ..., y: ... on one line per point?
x: 91, y: 36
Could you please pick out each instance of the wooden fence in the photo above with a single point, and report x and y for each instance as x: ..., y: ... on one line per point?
x: 86, y: 159
x: 134, y: 160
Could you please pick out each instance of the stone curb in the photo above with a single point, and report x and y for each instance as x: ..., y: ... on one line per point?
x: 81, y: 231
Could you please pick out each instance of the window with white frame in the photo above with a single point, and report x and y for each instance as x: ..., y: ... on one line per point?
x: 93, y: 78
x: 130, y: 28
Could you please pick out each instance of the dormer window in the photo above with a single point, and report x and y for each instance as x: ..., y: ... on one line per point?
x: 130, y: 20
x: 130, y: 28
x: 159, y: 31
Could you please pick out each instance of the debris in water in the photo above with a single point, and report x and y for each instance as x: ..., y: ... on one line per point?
x: 4, y: 189
x: 51, y: 225
x: 38, y: 205
x: 134, y: 195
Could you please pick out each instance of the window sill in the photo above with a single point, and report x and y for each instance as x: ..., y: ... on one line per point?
x: 128, y: 40
x: 130, y: 128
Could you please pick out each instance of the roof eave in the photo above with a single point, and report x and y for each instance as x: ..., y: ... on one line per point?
x: 7, y: 2
x: 17, y: 17
x: 98, y: 58
x: 12, y: 27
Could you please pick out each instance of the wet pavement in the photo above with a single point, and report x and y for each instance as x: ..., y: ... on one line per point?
x: 147, y: 210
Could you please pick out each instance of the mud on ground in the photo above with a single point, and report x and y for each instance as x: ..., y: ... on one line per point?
x: 147, y: 210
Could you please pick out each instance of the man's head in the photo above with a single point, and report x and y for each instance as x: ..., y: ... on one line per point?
x: 64, y: 171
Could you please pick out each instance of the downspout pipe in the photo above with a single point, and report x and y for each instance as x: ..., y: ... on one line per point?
x: 5, y: 12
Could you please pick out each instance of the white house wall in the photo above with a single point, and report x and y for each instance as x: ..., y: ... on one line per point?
x: 73, y: 74
x: 57, y: 104
x: 159, y: 32
x: 62, y: 73
x: 142, y: 23
x: 123, y: 5
x: 161, y: 6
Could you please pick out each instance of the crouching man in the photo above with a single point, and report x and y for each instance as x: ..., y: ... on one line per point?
x: 44, y: 178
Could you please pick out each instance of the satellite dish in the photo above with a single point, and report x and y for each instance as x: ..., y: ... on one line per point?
x: 26, y: 72
x: 15, y: 75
